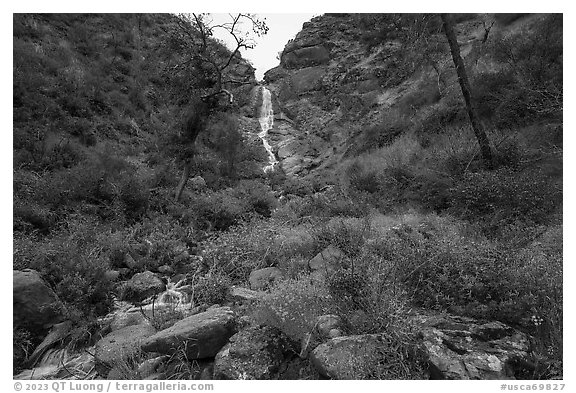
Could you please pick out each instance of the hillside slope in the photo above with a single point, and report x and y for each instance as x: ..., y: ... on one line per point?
x: 351, y: 83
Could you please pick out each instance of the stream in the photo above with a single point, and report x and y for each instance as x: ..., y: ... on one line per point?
x: 266, y: 120
x: 58, y: 362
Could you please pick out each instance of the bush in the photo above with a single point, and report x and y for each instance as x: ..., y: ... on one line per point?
x: 74, y: 264
x: 240, y: 250
x: 503, y: 196
x: 211, y: 289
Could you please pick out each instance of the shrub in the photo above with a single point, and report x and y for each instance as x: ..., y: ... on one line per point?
x: 502, y: 196
x: 74, y: 264
x: 258, y: 196
x: 239, y: 251
x: 211, y: 289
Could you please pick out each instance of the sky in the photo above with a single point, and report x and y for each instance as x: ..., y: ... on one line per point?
x: 282, y: 27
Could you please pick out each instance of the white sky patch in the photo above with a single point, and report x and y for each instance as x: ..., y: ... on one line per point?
x: 282, y: 28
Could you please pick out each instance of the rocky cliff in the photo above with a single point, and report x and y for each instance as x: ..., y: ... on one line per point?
x: 345, y: 84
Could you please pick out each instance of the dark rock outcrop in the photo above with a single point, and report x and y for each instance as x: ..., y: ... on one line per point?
x: 36, y: 306
x: 200, y: 336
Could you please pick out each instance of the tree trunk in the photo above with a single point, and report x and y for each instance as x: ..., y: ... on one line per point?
x: 183, y: 180
x: 465, y: 86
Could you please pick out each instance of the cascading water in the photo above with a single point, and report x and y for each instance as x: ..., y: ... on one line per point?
x: 266, y: 122
x: 62, y: 363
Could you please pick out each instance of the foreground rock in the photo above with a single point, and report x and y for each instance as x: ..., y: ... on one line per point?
x: 464, y: 348
x: 142, y: 286
x: 57, y: 334
x: 350, y: 357
x: 36, y: 306
x: 255, y: 353
x: 200, y: 336
x: 262, y: 279
x: 119, y: 345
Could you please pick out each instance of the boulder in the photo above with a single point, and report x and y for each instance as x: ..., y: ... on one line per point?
x: 166, y: 270
x: 201, y: 335
x: 254, y: 353
x: 36, y: 306
x: 141, y: 286
x: 463, y: 348
x: 198, y: 183
x: 57, y: 334
x: 244, y: 294
x: 112, y: 275
x: 329, y: 326
x: 261, y: 279
x: 119, y: 345
x: 349, y: 357
x: 326, y: 262
x: 152, y: 366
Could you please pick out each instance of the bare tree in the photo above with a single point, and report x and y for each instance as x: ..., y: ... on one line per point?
x: 206, y: 56
x: 465, y: 86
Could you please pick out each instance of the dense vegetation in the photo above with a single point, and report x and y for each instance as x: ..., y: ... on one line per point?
x: 419, y: 219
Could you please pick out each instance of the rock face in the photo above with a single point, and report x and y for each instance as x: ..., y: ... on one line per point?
x: 261, y: 279
x: 120, y: 345
x: 201, y: 335
x: 350, y: 357
x: 463, y: 348
x: 305, y: 57
x: 142, y: 286
x: 35, y: 304
x: 255, y: 353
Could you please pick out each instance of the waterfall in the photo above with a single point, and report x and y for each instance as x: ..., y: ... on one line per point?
x: 266, y: 122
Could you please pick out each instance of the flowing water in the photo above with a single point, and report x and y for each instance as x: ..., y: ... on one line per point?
x: 62, y: 363
x: 266, y: 122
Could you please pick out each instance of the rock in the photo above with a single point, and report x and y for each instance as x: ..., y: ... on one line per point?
x: 125, y: 318
x: 142, y: 286
x: 261, y: 279
x: 166, y: 270
x: 328, y: 324
x: 198, y: 183
x: 306, y: 57
x: 152, y: 366
x: 112, y: 275
x: 36, y: 306
x: 326, y: 262
x: 244, y: 294
x: 254, y: 353
x: 57, y: 334
x: 307, y: 79
x: 119, y: 345
x: 349, y: 357
x: 201, y: 335
x: 464, y: 348
x: 131, y: 262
